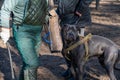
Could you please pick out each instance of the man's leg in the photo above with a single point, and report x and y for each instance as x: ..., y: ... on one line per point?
x: 83, y: 11
x: 25, y: 38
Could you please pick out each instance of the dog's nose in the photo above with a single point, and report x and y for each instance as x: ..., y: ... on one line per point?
x: 70, y: 34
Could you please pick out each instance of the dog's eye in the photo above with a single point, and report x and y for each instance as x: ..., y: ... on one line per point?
x: 74, y: 28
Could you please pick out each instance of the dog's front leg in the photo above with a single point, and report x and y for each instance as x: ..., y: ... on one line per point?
x: 67, y: 58
x: 67, y: 73
x: 73, y: 70
x: 80, y: 62
x: 80, y: 70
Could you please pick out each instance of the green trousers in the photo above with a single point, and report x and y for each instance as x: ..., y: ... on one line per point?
x: 28, y: 41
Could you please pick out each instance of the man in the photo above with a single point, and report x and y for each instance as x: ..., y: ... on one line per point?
x: 74, y: 12
x: 28, y: 19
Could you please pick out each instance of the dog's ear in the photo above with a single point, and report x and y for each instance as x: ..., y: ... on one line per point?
x: 65, y: 25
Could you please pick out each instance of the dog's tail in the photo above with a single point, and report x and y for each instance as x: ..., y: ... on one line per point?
x: 117, y: 64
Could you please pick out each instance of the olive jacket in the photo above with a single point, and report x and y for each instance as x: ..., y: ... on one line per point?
x: 32, y: 12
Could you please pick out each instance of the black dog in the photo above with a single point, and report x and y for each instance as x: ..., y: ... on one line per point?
x: 106, y: 50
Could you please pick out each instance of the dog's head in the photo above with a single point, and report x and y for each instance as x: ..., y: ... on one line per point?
x: 69, y: 33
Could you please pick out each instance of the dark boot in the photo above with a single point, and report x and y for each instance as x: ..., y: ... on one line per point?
x: 30, y: 74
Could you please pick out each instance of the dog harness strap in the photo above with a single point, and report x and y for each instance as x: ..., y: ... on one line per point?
x: 86, y: 38
x: 86, y: 51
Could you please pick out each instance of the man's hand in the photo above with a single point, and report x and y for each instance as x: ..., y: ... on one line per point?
x: 79, y: 14
x: 5, y: 34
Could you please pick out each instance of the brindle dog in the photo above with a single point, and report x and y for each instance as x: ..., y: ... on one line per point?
x: 107, y: 51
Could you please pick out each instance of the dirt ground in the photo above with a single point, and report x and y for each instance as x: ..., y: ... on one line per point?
x: 105, y: 22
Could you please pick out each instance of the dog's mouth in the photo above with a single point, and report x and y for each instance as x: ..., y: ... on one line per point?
x: 71, y: 37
